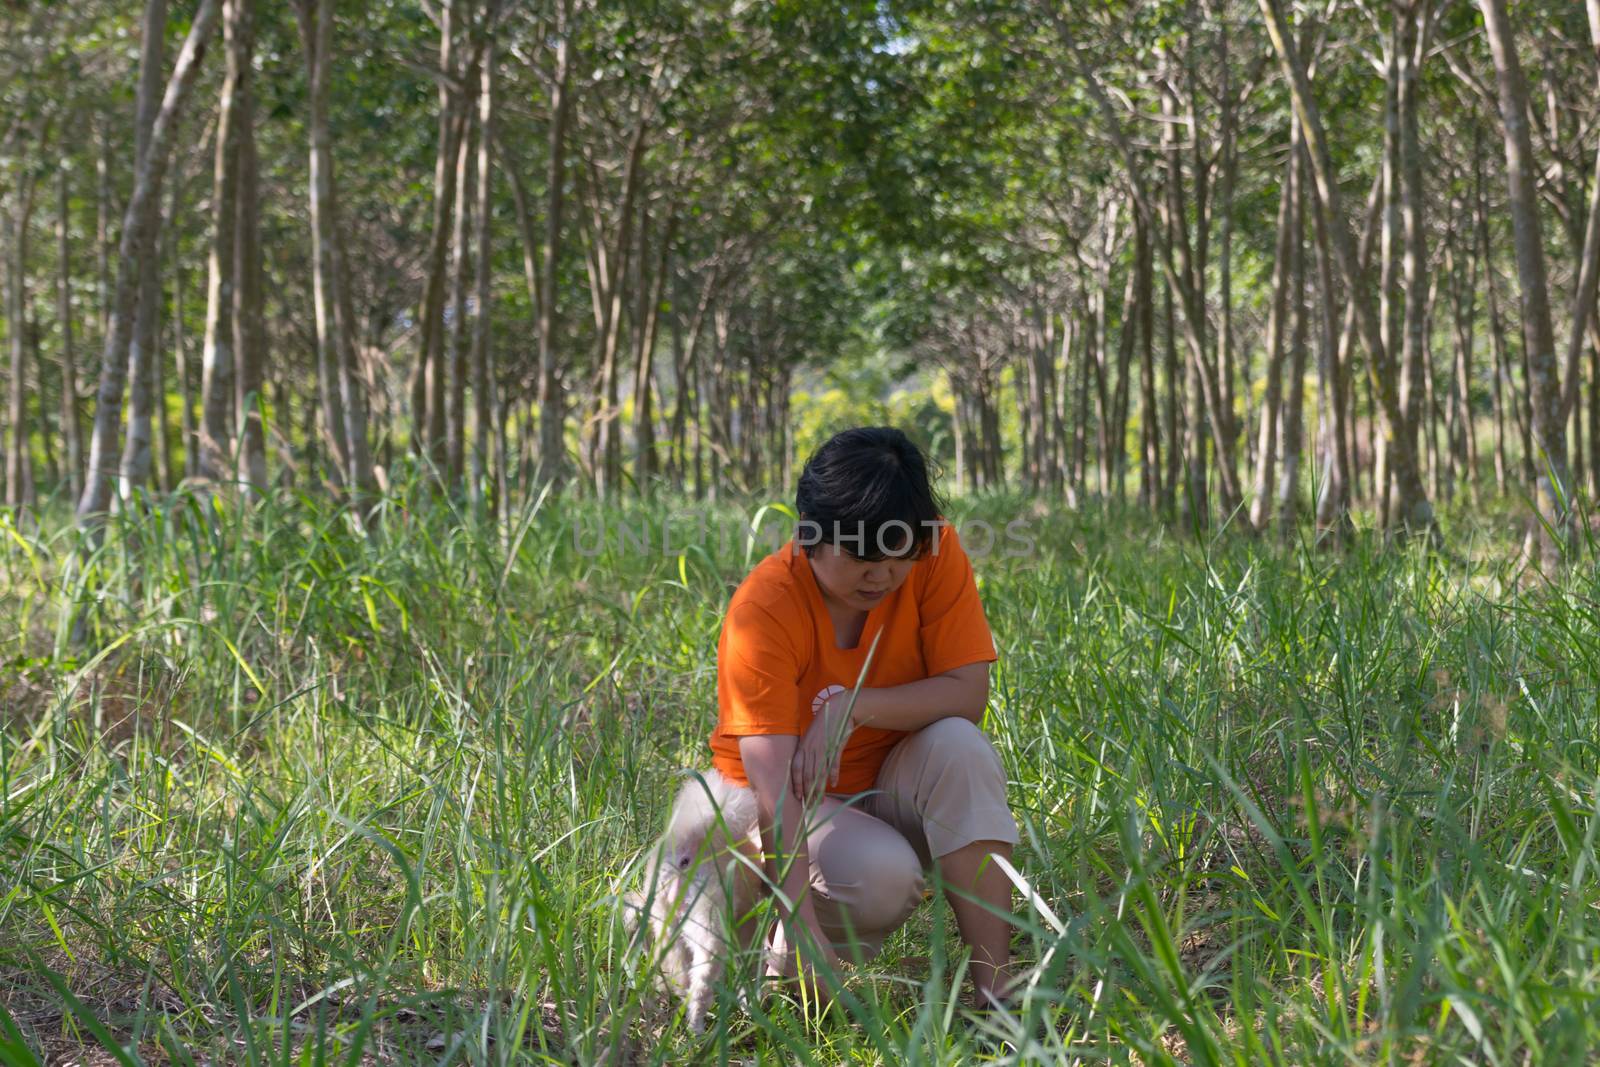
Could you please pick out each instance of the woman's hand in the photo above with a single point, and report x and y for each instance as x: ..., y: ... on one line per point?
x: 816, y: 758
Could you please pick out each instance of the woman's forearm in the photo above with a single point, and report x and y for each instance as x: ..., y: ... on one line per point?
x: 783, y: 848
x: 961, y: 692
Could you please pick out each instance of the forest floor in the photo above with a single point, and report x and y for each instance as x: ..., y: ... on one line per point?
x: 305, y: 795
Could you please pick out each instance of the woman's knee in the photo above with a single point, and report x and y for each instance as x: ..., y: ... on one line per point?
x: 955, y: 744
x: 875, y: 879
x: 953, y: 779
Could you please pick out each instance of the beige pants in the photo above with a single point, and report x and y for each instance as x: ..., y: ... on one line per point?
x: 940, y: 789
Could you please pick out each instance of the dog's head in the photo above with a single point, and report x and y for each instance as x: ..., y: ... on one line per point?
x: 709, y: 811
x: 709, y: 816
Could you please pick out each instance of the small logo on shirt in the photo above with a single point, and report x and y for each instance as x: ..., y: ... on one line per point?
x: 822, y: 697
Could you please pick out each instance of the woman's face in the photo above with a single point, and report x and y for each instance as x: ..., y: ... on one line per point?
x: 857, y: 583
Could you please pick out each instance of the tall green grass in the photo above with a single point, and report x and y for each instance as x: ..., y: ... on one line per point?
x: 310, y: 796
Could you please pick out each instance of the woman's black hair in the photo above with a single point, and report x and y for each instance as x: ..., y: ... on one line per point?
x: 867, y: 490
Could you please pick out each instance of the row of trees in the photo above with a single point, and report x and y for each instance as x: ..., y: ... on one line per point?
x: 1214, y: 252
x: 1383, y: 173
x: 615, y: 217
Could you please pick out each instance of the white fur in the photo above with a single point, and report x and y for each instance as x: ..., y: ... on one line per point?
x: 695, y: 888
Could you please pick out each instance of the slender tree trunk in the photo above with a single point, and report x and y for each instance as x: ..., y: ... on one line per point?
x: 1228, y: 149
x: 1208, y: 422
x: 135, y: 469
x: 427, y: 378
x: 248, y: 327
x: 1150, y: 484
x: 335, y: 328
x: 1544, y: 382
x: 216, y: 365
x: 486, y: 457
x: 1431, y: 414
x: 1036, y: 425
x: 700, y: 421
x: 1061, y: 460
x: 1080, y: 401
x: 609, y: 299
x: 135, y: 249
x: 180, y: 352
x: 455, y: 403
x: 552, y: 405
x: 1333, y: 500
x: 71, y: 420
x: 645, y: 465
x: 102, y: 246
x: 1293, y: 444
x: 1587, y: 288
x: 1594, y: 414
x: 161, y: 450
x: 1175, y: 436
x: 170, y: 247
x: 1267, y: 447
x: 1390, y: 303
x: 1116, y: 436
x: 1466, y: 436
x: 1412, y: 198
x: 14, y: 240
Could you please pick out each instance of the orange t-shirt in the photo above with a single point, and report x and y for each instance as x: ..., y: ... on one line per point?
x: 777, y: 651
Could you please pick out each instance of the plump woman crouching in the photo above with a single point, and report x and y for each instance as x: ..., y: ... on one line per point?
x: 870, y: 798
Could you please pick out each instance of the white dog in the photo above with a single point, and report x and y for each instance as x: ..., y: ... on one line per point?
x: 695, y: 888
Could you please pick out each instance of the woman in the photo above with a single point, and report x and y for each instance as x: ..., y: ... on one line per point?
x: 871, y: 561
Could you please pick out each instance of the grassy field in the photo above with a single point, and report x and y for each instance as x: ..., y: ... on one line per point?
x: 306, y: 797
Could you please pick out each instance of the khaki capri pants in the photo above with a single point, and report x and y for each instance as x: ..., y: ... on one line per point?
x: 940, y: 789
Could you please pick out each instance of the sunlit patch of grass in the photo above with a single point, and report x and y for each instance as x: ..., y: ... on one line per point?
x: 306, y: 794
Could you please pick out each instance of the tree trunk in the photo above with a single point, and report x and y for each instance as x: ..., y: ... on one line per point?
x: 71, y: 420
x: 1228, y: 148
x: 1293, y: 443
x: 1333, y: 501
x: 1150, y: 486
x: 487, y: 459
x: 19, y: 473
x: 552, y: 406
x: 609, y: 273
x: 180, y: 353
x: 1174, y: 430
x: 216, y: 361
x: 455, y: 403
x: 1544, y: 383
x: 1117, y: 434
x: 135, y: 470
x: 1465, y: 443
x: 335, y: 330
x: 1060, y: 460
x: 645, y: 464
x: 1585, y: 291
x: 1267, y: 446
x: 248, y: 327
x: 135, y: 249
x: 1390, y: 304
x: 1413, y: 42
x: 102, y: 230
x: 427, y: 376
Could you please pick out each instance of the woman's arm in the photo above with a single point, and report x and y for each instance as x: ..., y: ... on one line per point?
x: 961, y: 691
x: 766, y: 760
